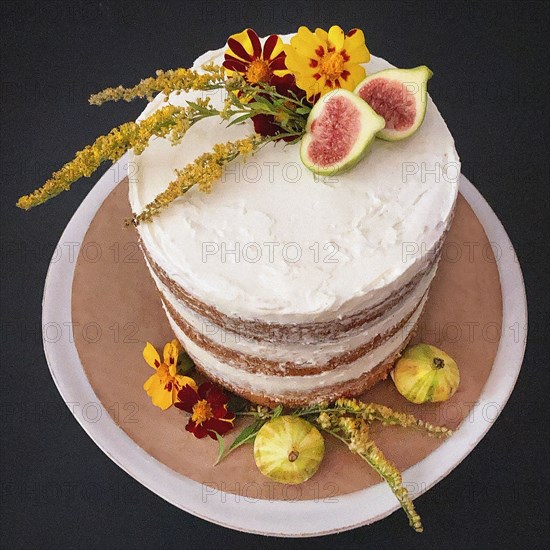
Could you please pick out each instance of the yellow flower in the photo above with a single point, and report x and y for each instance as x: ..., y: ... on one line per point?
x: 164, y: 385
x: 322, y: 61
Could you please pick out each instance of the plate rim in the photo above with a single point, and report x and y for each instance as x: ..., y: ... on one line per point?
x: 348, y: 511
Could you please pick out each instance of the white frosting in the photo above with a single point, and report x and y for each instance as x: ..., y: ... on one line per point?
x: 273, y: 385
x: 383, y: 216
x: 302, y: 354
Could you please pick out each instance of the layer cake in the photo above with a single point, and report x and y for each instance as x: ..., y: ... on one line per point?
x: 289, y: 288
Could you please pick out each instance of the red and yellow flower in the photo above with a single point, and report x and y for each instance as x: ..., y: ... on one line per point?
x: 246, y: 56
x: 163, y: 386
x: 322, y: 61
x: 260, y: 64
x: 208, y: 409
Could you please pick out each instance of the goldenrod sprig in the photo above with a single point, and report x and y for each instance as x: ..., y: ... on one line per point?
x: 170, y: 121
x: 176, y: 80
x: 389, y: 417
x: 244, y: 101
x: 371, y: 412
x: 354, y: 432
x: 109, y: 147
x: 203, y: 171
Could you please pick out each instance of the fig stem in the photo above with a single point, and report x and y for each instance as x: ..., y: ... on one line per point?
x: 293, y: 456
x: 439, y: 363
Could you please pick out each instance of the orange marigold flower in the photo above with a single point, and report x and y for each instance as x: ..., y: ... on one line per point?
x: 208, y: 408
x: 164, y: 385
x: 322, y: 61
x: 246, y: 56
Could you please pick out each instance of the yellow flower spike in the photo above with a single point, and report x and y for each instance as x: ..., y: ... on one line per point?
x: 203, y: 171
x: 177, y: 80
x: 354, y: 432
x: 163, y: 386
x: 109, y: 147
x: 322, y: 61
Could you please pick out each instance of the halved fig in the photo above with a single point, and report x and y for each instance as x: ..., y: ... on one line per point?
x: 400, y: 96
x: 339, y: 130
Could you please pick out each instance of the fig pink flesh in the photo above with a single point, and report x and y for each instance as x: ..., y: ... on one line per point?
x: 393, y: 100
x: 334, y: 132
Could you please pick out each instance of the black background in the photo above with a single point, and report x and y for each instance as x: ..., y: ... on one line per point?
x: 490, y: 60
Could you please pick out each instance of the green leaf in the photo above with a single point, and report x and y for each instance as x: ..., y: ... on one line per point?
x: 221, y: 448
x: 202, y: 109
x: 185, y: 363
x: 247, y: 435
x: 240, y: 119
x: 236, y: 403
x: 277, y: 411
x: 261, y: 99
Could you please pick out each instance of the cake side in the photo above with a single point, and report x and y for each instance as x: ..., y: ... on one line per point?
x: 296, y: 391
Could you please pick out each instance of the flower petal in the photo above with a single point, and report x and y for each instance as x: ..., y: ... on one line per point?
x: 219, y: 411
x: 336, y: 37
x: 356, y: 74
x: 256, y: 44
x: 322, y: 35
x: 278, y: 64
x: 151, y: 384
x: 273, y: 46
x: 198, y: 430
x: 295, y: 62
x: 204, y: 389
x: 216, y: 396
x: 311, y: 85
x: 217, y: 425
x: 306, y: 43
x: 171, y: 352
x: 241, y: 46
x: 162, y: 399
x: 151, y: 356
x: 185, y: 381
x: 155, y: 389
x: 187, y: 398
x: 265, y: 125
x: 355, y: 40
x: 234, y: 64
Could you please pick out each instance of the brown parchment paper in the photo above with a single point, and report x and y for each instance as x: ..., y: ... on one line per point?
x: 116, y: 309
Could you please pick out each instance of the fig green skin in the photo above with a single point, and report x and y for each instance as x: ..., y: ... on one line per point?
x: 426, y: 374
x: 371, y: 123
x: 288, y: 449
x: 419, y: 76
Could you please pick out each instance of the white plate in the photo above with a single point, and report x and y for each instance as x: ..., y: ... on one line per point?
x: 278, y: 518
